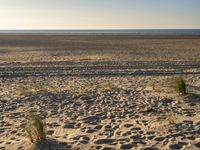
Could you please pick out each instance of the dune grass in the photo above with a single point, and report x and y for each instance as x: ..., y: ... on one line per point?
x: 86, y: 88
x: 23, y: 91
x: 179, y: 85
x: 106, y: 86
x: 35, y: 128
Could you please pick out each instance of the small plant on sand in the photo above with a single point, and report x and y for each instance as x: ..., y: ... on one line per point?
x: 170, y: 117
x: 166, y: 119
x: 24, y: 91
x: 179, y: 85
x: 106, y: 86
x: 35, y: 128
x: 153, y: 86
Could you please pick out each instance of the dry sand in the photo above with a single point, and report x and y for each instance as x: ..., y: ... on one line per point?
x: 100, y: 92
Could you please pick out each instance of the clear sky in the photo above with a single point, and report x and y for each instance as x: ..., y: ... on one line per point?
x: 99, y: 14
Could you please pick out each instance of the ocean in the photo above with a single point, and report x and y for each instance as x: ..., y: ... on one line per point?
x: 109, y: 32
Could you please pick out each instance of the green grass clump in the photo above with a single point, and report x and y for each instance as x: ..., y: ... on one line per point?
x: 179, y: 85
x: 35, y: 128
x: 24, y: 91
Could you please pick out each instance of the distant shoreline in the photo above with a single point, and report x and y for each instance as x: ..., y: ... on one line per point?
x: 106, y: 32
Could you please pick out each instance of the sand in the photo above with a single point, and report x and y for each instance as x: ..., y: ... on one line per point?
x: 100, y: 92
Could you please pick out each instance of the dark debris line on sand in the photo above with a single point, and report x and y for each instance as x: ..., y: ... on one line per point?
x: 90, y: 70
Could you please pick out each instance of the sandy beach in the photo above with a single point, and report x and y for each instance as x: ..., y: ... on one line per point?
x: 102, y: 92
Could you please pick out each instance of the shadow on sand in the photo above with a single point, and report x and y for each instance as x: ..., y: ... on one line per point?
x: 50, y: 144
x: 194, y: 89
x: 193, y: 96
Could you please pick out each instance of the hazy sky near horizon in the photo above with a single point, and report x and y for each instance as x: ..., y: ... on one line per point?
x: 99, y: 14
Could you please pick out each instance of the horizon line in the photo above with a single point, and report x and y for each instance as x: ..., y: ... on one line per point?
x: 106, y: 29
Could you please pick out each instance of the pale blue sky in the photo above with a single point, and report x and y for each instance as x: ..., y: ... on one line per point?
x: 99, y: 14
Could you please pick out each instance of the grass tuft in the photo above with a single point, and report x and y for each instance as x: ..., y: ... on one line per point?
x: 179, y: 85
x: 24, y: 91
x: 35, y: 128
